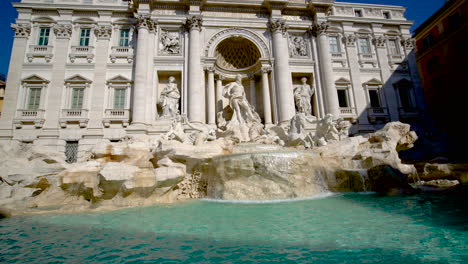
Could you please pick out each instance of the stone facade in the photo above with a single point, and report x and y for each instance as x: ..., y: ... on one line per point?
x: 97, y: 69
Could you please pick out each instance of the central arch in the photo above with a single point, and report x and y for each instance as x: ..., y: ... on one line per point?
x: 237, y: 55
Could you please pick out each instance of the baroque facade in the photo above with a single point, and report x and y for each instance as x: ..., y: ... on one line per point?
x: 98, y: 69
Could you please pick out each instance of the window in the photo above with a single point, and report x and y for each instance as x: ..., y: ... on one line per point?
x: 454, y: 21
x: 386, y: 14
x: 119, y: 98
x: 334, y: 44
x: 343, y: 97
x: 405, y: 92
x: 364, y: 46
x: 393, y: 47
x: 84, y: 36
x: 43, y: 37
x: 77, y: 98
x: 357, y: 12
x: 124, y: 38
x: 71, y: 151
x: 433, y: 64
x: 374, y: 98
x: 34, y: 98
x: 428, y: 41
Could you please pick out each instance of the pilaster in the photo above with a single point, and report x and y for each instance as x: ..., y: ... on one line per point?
x: 211, y: 96
x: 266, y: 95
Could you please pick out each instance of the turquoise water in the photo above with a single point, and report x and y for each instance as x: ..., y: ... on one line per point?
x: 351, y: 228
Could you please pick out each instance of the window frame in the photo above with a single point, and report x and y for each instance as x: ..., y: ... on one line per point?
x: 377, y: 93
x: 33, y: 82
x: 76, y: 82
x: 338, y: 44
x: 408, y: 86
x: 345, y: 89
x: 368, y: 43
x: 125, y: 39
x: 358, y: 12
x: 119, y: 83
x: 86, y: 39
x: 386, y: 14
x: 397, y: 47
x: 43, y: 40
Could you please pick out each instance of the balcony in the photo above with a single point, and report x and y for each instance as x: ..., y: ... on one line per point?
x: 86, y: 52
x: 33, y: 117
x: 375, y: 114
x: 348, y: 112
x: 121, y: 53
x: 74, y: 116
x: 395, y: 58
x: 36, y: 51
x: 408, y: 113
x: 367, y: 58
x: 116, y: 116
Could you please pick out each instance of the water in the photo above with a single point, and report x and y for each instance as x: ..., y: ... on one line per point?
x: 351, y: 228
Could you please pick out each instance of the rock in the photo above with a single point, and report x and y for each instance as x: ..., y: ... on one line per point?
x: 169, y: 176
x: 386, y: 179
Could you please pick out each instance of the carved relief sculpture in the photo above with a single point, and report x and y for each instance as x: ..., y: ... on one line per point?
x: 169, y: 42
x: 297, y: 46
x: 302, y: 97
x: 169, y: 99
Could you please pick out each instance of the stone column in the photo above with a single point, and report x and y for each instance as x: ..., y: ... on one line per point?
x: 97, y: 107
x: 13, y: 86
x: 266, y: 95
x: 285, y: 95
x: 196, y: 98
x: 253, y: 97
x: 330, y: 93
x: 144, y: 25
x: 211, y: 96
x: 219, y: 94
x: 389, y: 90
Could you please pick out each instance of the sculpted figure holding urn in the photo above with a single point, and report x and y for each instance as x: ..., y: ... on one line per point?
x: 234, y: 91
x: 302, y: 97
x: 169, y: 99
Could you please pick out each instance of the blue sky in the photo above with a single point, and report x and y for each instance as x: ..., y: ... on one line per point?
x: 417, y: 10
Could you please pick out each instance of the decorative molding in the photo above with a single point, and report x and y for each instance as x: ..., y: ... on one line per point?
x: 278, y: 25
x: 103, y: 31
x: 170, y: 42
x: 22, y: 30
x: 145, y: 21
x: 63, y: 31
x: 236, y: 32
x: 298, y: 47
x: 266, y: 69
x: 319, y: 28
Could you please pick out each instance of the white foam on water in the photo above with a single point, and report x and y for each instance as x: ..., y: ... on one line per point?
x: 315, y: 197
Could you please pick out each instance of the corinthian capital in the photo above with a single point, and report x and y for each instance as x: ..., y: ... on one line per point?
x: 319, y: 28
x: 63, y: 31
x: 22, y: 30
x: 103, y: 31
x: 194, y: 22
x: 350, y: 40
x: 379, y: 41
x: 145, y: 21
x: 266, y: 69
x: 408, y: 43
x: 277, y: 25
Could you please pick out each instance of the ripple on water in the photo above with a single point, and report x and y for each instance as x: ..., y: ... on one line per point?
x: 350, y: 228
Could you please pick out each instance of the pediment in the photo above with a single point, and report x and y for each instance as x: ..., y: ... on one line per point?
x: 119, y: 79
x: 342, y: 81
x: 77, y: 79
x: 34, y: 79
x: 373, y: 82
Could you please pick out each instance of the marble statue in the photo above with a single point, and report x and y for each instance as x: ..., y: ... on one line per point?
x: 326, y: 131
x: 297, y: 135
x: 170, y: 43
x: 343, y: 127
x: 169, y: 99
x: 176, y: 132
x: 235, y: 92
x: 302, y: 97
x: 238, y: 120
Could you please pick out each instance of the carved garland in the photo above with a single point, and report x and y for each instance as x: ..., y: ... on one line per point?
x: 223, y: 34
x: 379, y: 41
x: 350, y: 40
x: 103, y: 32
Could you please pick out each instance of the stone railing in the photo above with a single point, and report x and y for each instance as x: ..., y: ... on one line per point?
x: 395, y: 58
x: 87, y: 2
x: 36, y: 51
x: 377, y: 113
x: 77, y: 116
x: 119, y: 52
x: 408, y: 112
x: 86, y: 52
x: 28, y: 116
x: 366, y: 56
x: 337, y: 55
x: 116, y: 116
